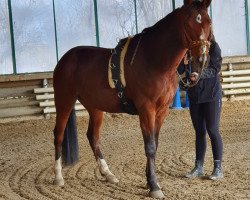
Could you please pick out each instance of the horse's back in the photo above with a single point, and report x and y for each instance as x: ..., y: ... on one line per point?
x: 70, y: 60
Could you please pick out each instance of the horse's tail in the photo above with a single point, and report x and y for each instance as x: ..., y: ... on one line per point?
x: 70, y: 142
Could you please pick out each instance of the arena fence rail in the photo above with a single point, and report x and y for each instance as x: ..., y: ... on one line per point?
x: 33, y: 94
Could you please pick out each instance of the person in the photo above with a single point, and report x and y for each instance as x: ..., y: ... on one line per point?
x: 205, y: 109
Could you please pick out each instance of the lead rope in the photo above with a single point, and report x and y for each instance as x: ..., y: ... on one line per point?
x: 187, y: 84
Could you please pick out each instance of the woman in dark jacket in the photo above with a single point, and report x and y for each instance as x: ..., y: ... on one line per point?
x: 205, y: 109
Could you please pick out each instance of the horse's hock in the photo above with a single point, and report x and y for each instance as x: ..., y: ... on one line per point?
x: 32, y: 94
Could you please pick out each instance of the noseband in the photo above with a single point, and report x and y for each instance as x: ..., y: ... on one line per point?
x: 195, y: 48
x: 199, y: 48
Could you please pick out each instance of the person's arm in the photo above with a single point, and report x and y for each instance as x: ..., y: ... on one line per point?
x: 214, y: 65
x: 182, y: 66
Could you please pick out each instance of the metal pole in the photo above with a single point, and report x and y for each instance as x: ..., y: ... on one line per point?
x: 12, y: 38
x: 173, y: 3
x: 247, y: 26
x: 55, y: 29
x: 136, y: 22
x: 211, y: 12
x: 96, y: 24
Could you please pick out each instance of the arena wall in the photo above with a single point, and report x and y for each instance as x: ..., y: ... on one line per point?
x: 19, y: 93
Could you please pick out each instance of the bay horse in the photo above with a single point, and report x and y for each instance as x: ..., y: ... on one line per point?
x: 150, y: 71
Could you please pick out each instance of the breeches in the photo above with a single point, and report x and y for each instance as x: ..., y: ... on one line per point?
x: 206, y: 118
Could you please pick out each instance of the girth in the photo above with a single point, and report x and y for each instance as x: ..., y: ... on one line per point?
x: 116, y: 76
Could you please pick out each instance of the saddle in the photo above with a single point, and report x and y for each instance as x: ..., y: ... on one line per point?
x: 116, y: 76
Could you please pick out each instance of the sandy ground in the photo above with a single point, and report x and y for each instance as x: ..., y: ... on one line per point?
x: 27, y: 159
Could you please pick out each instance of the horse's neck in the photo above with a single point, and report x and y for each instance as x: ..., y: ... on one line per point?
x: 163, y: 45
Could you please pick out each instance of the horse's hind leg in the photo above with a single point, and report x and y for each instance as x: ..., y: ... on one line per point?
x: 93, y: 134
x: 63, y: 109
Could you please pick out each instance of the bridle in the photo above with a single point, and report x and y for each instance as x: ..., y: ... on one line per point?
x: 188, y: 83
x: 195, y: 48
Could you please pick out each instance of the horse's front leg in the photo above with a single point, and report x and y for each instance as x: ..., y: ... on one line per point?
x: 149, y: 131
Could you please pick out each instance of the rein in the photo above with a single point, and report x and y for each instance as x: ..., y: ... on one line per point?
x: 189, y: 84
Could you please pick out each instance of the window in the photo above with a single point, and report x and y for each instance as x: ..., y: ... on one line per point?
x: 34, y: 35
x: 229, y: 26
x: 5, y: 41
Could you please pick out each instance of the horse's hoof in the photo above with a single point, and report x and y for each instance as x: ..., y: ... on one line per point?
x: 157, y: 194
x: 112, y: 179
x: 58, y: 182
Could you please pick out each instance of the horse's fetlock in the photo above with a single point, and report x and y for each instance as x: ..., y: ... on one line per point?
x: 104, y: 170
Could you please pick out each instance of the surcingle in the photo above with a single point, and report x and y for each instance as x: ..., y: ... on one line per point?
x: 116, y: 75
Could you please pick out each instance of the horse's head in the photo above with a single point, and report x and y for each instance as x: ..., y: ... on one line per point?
x: 197, y: 32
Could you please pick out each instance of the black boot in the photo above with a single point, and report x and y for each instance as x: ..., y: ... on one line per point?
x: 217, y: 172
x: 197, y: 171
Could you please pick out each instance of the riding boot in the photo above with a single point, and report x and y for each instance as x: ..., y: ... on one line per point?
x: 217, y: 172
x: 197, y: 171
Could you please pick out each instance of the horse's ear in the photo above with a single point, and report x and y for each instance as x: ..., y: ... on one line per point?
x: 187, y: 2
x: 206, y: 3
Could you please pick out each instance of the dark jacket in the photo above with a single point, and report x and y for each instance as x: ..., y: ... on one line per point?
x: 208, y: 88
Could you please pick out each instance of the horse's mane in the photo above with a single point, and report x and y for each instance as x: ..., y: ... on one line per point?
x: 196, y: 5
x: 164, y: 20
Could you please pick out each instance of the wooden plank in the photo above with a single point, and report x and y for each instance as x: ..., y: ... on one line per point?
x: 236, y: 59
x: 235, y: 85
x: 237, y: 66
x: 20, y: 111
x: 17, y: 92
x: 11, y: 84
x: 53, y: 109
x: 50, y: 103
x: 44, y: 96
x: 235, y: 72
x: 236, y: 91
x: 43, y: 90
x: 235, y: 79
x: 18, y: 102
x: 27, y: 76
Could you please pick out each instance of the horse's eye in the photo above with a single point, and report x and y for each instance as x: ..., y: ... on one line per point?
x: 198, y: 18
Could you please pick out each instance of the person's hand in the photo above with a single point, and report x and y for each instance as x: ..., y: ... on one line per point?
x: 193, y: 77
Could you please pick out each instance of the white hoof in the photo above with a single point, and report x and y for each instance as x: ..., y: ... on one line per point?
x: 157, y: 194
x: 59, y: 182
x: 112, y: 179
